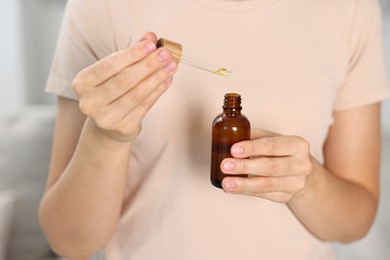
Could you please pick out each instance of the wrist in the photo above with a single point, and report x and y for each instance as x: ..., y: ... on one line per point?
x: 102, y: 138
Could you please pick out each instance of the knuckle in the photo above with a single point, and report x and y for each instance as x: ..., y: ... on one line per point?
x: 77, y: 84
x: 158, y: 77
x: 85, y: 107
x: 143, y: 108
x: 270, y: 167
x: 135, y: 97
x: 137, y: 130
x: 305, y: 167
x: 301, y: 143
x: 106, y: 91
x: 161, y: 89
x: 110, y: 65
x: 300, y: 184
x: 244, y: 166
x: 104, y: 122
x: 267, y: 185
x: 250, y: 147
x: 309, y: 168
x: 136, y: 52
x: 149, y: 65
x: 305, y: 145
x: 122, y: 80
x: 129, y: 128
x: 271, y: 145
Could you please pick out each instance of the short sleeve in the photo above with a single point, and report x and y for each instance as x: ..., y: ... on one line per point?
x: 85, y: 37
x: 366, y: 81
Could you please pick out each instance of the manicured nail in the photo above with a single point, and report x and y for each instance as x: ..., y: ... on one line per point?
x: 163, y: 55
x: 170, y: 67
x: 237, y: 149
x: 149, y: 47
x: 228, y: 166
x: 230, y: 185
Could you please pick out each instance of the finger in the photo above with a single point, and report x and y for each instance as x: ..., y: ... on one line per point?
x: 270, y: 146
x: 260, y: 133
x: 115, y: 117
x: 140, y: 111
x: 262, y: 186
x: 151, y: 36
x: 115, y: 62
x: 154, y: 85
x: 262, y: 166
x: 130, y: 77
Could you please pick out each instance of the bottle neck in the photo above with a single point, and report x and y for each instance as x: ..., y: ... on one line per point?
x: 232, y: 104
x: 231, y: 112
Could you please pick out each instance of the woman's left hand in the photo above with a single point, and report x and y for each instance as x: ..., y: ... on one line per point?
x: 278, y: 166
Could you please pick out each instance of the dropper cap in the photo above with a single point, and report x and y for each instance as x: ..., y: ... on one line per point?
x: 175, y: 48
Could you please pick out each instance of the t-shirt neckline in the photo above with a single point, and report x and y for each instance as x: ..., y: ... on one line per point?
x: 235, y: 6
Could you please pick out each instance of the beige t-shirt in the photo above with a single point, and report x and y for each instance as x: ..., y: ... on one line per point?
x: 294, y: 63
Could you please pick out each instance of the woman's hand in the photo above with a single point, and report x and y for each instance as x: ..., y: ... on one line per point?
x: 117, y: 91
x: 336, y: 200
x: 278, y: 166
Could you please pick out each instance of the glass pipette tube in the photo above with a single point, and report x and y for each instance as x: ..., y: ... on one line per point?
x: 176, y: 50
x: 206, y: 66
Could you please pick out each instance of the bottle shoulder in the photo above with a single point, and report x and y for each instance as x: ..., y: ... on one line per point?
x: 230, y: 119
x: 218, y: 118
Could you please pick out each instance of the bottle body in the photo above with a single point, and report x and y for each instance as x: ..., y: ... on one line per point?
x: 228, y: 128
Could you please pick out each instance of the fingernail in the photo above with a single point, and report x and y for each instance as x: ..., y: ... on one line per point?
x: 163, y: 55
x: 149, y: 47
x: 228, y: 166
x: 237, y: 149
x: 230, y: 185
x: 170, y: 67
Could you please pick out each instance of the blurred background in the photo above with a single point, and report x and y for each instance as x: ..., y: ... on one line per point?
x: 29, y: 31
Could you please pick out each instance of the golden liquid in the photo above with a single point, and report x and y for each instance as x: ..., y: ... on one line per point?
x: 223, y: 72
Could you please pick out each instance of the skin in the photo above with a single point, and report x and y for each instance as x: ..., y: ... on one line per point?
x: 283, y: 170
x: 92, y: 144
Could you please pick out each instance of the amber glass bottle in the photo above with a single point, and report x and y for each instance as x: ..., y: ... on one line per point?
x: 229, y: 127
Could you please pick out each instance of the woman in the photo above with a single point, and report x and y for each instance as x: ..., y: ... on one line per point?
x: 131, y: 153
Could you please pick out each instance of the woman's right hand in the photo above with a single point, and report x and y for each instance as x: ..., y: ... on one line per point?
x: 117, y: 91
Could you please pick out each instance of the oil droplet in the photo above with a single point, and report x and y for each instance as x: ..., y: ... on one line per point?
x: 223, y: 72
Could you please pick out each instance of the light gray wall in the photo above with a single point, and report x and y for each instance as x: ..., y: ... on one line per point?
x: 30, y: 30
x: 386, y: 103
x: 42, y: 19
x: 11, y: 63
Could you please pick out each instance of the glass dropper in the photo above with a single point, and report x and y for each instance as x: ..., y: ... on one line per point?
x: 176, y: 50
x: 206, y: 66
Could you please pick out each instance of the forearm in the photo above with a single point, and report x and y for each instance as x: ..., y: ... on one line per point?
x: 80, y: 211
x: 332, y: 208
